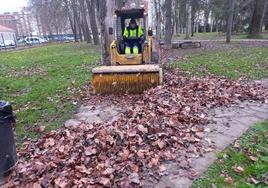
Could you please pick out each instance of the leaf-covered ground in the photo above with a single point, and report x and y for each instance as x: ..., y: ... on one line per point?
x: 43, y: 83
x: 244, y: 164
x: 165, y: 123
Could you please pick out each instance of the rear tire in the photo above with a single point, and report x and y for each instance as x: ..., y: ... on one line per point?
x: 155, y: 58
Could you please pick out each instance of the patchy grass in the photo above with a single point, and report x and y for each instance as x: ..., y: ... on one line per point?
x: 233, y: 63
x: 40, y: 81
x: 250, y: 153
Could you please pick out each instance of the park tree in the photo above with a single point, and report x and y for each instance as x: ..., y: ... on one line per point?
x: 168, y: 27
x: 74, y: 19
x: 84, y: 21
x: 176, y: 15
x: 206, y: 8
x: 255, y: 28
x: 195, y: 14
x: 158, y: 17
x: 189, y: 19
x: 230, y: 20
x: 51, y: 16
x: 102, y: 13
x: 91, y: 6
x: 84, y: 18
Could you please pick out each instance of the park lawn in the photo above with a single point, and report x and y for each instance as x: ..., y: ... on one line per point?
x: 247, y: 62
x: 250, y: 153
x: 39, y: 83
x: 219, y: 35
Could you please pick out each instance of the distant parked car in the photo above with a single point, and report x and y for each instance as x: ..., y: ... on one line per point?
x: 43, y: 40
x: 69, y: 38
x: 8, y: 43
x: 21, y: 41
x: 34, y: 40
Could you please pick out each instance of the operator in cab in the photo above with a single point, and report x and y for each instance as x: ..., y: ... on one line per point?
x: 133, y: 35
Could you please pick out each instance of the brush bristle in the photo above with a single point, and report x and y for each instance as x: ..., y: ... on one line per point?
x: 120, y: 83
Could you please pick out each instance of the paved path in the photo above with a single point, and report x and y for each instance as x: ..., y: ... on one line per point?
x: 227, y: 125
x: 95, y: 114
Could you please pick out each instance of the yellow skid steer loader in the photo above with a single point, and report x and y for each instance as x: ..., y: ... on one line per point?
x: 129, y: 73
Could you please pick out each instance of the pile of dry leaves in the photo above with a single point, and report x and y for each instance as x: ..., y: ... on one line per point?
x: 165, y: 123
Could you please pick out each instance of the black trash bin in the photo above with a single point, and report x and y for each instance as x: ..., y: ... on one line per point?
x: 8, y: 155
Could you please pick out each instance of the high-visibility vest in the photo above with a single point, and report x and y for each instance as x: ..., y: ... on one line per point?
x: 136, y: 32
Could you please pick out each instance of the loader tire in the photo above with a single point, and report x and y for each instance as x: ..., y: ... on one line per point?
x: 155, y: 58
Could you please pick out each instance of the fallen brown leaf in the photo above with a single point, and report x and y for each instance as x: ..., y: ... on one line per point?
x: 253, y: 158
x: 238, y: 169
x: 228, y: 180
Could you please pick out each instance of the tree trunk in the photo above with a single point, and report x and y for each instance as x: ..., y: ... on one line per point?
x: 255, y: 28
x: 158, y: 18
x: 71, y: 24
x: 102, y: 13
x: 197, y: 23
x: 230, y: 20
x: 80, y: 28
x: 264, y: 12
x: 77, y: 17
x: 193, y: 18
x: 177, y: 18
x: 206, y: 20
x: 189, y: 19
x: 168, y: 34
x: 211, y: 25
x: 93, y: 23
x: 75, y: 28
x: 85, y: 26
x: 70, y: 17
x: 217, y: 25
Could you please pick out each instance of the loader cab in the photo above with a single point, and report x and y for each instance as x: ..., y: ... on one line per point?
x: 117, y: 49
x: 122, y: 19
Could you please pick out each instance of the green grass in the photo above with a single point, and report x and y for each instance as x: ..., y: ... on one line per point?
x: 234, y: 63
x: 253, y: 143
x: 39, y: 82
x: 219, y: 35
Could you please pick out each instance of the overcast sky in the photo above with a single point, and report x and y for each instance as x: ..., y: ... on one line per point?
x: 11, y: 5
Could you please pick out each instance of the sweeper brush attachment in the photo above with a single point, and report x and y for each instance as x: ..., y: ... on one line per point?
x: 125, y: 79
